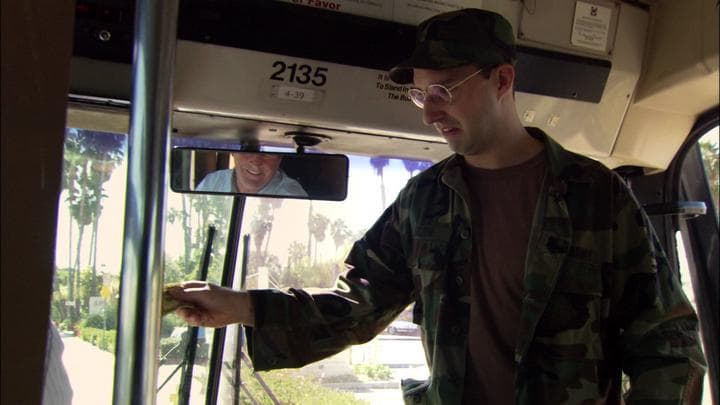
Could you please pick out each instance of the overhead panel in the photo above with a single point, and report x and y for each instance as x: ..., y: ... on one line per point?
x: 402, y: 11
x: 324, y: 64
x: 286, y: 89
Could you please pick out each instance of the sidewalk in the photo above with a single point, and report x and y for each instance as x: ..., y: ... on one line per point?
x: 90, y: 371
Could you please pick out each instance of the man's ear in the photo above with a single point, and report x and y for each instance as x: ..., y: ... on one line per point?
x: 506, y: 79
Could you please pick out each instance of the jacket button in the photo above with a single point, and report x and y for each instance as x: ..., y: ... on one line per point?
x: 459, y: 280
x: 455, y: 330
x: 464, y: 234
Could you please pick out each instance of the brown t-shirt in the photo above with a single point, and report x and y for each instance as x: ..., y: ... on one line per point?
x: 502, y: 206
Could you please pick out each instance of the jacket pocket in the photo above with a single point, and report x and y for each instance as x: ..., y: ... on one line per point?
x: 545, y: 379
x: 579, y: 277
x: 570, y: 327
x: 428, y: 261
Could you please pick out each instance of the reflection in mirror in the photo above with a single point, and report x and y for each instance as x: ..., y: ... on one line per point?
x: 266, y: 174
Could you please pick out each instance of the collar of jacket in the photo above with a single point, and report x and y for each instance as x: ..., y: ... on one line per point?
x: 560, y: 163
x: 551, y: 234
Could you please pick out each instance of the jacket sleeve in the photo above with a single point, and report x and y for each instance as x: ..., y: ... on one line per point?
x: 659, y: 340
x: 295, y: 327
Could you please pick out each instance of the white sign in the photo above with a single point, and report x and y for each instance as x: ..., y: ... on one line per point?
x: 379, y: 9
x: 415, y: 11
x: 591, y: 26
x: 402, y: 11
x: 96, y: 305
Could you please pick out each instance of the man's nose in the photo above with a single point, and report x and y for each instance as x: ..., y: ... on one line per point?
x: 432, y: 113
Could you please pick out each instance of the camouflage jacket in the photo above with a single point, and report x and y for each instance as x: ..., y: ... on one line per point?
x: 599, y: 296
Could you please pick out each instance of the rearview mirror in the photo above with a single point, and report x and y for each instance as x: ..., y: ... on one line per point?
x: 265, y: 174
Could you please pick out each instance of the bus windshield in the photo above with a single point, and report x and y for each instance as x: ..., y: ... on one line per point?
x: 291, y: 243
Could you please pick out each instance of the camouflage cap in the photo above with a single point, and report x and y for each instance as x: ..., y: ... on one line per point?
x: 456, y: 38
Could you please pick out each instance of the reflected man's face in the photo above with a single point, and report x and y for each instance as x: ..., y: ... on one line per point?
x: 254, y: 170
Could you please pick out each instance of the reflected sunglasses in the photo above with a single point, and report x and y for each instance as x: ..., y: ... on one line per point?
x: 438, y: 93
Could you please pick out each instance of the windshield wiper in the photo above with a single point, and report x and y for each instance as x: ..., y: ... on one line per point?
x: 191, y: 335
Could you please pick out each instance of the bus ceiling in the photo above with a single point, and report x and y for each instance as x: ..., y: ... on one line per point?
x: 622, y: 82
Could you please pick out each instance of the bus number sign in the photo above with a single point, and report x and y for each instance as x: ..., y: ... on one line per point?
x: 299, y: 73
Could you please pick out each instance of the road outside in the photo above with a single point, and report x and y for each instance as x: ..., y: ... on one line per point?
x: 91, y: 371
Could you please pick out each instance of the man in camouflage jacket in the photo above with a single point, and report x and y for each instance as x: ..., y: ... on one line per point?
x: 598, y: 296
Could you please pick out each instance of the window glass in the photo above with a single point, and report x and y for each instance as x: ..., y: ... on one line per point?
x: 688, y: 289
x: 187, y: 233
x: 709, y: 150
x: 291, y: 243
x: 87, y: 259
x: 296, y: 243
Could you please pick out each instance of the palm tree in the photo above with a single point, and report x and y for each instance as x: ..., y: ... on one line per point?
x: 415, y: 165
x: 260, y: 228
x: 209, y: 210
x: 309, y: 223
x: 106, y: 152
x: 296, y: 252
x: 410, y: 165
x: 82, y: 202
x: 72, y: 160
x: 89, y: 159
x: 318, y: 226
x: 379, y: 164
x: 272, y: 204
x: 339, y: 232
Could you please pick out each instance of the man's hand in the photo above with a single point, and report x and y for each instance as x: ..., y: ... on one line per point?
x: 211, y: 305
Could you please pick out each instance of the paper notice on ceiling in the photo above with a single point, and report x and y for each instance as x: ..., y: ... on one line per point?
x: 591, y: 26
x: 414, y: 11
x: 402, y: 11
x: 379, y: 9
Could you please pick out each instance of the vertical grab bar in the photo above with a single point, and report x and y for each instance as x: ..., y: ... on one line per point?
x: 148, y: 143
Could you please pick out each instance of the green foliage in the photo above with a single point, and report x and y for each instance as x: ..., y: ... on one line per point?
x: 191, y: 248
x: 290, y: 387
x: 198, y: 214
x: 94, y: 321
x: 89, y: 285
x: 340, y: 232
x: 175, y: 270
x: 173, y: 349
x: 169, y: 323
x: 103, y: 339
x: 710, y: 151
x: 296, y: 253
x: 306, y: 275
x: 104, y: 320
x: 59, y: 311
x: 64, y: 325
x: 374, y: 371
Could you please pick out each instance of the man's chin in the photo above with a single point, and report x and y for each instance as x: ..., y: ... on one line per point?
x: 455, y: 147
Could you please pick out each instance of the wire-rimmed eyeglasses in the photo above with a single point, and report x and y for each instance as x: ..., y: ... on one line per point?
x: 438, y: 93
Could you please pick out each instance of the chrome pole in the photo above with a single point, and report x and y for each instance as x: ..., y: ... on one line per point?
x: 148, y: 144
